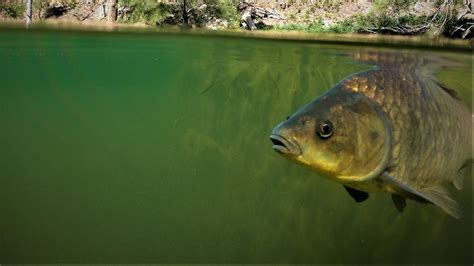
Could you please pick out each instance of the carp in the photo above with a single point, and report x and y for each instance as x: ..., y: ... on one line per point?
x: 392, y: 129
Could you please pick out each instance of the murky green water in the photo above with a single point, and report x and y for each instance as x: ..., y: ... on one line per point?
x: 154, y: 148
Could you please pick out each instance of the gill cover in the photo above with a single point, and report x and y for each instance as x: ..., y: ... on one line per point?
x: 372, y: 141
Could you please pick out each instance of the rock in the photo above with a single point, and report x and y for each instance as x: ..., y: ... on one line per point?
x: 101, y: 12
x: 326, y: 23
x: 465, y: 13
x: 424, y: 8
x: 246, y: 21
x: 242, y: 6
x: 124, y: 11
x: 266, y: 13
x: 252, y: 15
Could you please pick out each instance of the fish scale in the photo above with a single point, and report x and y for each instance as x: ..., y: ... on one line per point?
x: 398, y: 99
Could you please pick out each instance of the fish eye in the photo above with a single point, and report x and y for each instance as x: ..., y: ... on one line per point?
x: 325, y: 129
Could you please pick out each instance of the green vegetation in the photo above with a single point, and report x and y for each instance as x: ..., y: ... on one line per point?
x: 316, y: 27
x: 199, y: 12
x: 369, y: 23
x: 398, y: 20
x: 12, y: 10
x: 150, y: 12
x: 41, y: 8
x: 319, y: 27
x: 388, y: 17
x: 226, y: 9
x: 381, y: 16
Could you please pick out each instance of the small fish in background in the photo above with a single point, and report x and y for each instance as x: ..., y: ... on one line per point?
x: 392, y: 129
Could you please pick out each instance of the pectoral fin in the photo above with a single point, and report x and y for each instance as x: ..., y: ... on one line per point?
x: 399, y: 202
x: 357, y: 195
x: 436, y: 195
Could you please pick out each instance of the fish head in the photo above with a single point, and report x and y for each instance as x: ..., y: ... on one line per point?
x: 343, y: 136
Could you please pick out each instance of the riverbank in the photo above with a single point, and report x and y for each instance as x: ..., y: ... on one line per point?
x: 382, y: 17
x: 379, y: 40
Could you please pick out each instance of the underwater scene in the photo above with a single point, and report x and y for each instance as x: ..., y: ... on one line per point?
x: 139, y: 148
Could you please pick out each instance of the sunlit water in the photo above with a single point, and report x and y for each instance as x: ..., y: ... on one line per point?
x: 154, y: 148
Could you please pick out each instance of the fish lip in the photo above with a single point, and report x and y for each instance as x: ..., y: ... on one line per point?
x: 288, y: 148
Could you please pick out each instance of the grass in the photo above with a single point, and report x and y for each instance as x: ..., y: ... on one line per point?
x: 381, y: 23
x: 318, y: 27
x: 150, y: 12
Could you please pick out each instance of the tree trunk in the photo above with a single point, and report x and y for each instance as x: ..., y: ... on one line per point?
x: 29, y: 11
x: 112, y: 12
x: 185, y: 13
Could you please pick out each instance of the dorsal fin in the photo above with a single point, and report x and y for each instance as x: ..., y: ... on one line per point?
x: 388, y: 59
x: 420, y: 64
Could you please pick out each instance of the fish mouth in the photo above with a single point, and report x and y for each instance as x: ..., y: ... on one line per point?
x: 283, y: 146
